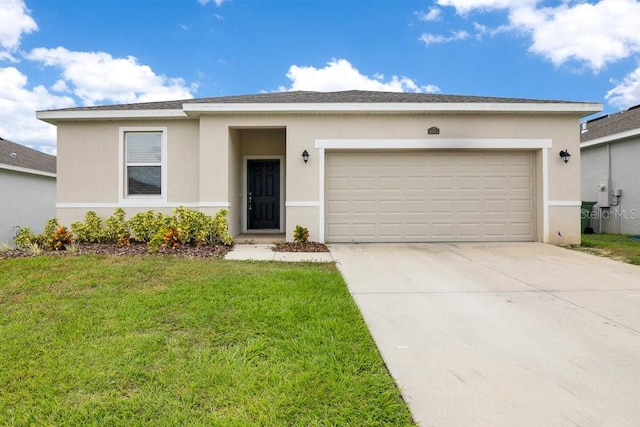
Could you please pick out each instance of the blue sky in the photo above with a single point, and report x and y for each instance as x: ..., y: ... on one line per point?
x: 63, y: 53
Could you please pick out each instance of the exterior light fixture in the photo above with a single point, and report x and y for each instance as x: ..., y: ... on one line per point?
x: 565, y: 155
x: 305, y: 156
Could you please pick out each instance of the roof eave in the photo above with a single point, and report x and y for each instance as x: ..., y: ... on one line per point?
x: 196, y: 109
x: 611, y: 138
x: 53, y: 116
x: 27, y: 170
x: 582, y: 109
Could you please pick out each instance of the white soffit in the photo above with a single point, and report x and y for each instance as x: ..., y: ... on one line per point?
x: 53, y: 116
x: 195, y: 109
x: 405, y: 107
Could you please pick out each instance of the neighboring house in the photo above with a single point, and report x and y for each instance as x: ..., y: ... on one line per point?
x: 28, y: 189
x: 381, y: 167
x: 610, y: 150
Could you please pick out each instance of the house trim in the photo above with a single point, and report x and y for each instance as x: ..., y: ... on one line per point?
x: 243, y: 190
x: 434, y: 144
x: 27, y: 170
x: 545, y: 195
x: 142, y: 204
x: 321, y: 176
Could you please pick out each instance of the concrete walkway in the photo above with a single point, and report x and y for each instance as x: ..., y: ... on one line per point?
x: 264, y: 252
x: 522, y: 334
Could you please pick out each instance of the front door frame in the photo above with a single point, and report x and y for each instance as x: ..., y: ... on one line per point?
x: 245, y: 191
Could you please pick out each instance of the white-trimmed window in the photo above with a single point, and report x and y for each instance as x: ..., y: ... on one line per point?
x: 144, y: 163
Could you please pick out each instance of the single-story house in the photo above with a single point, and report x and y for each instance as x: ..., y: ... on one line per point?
x: 28, y: 183
x: 352, y: 166
x: 610, y: 150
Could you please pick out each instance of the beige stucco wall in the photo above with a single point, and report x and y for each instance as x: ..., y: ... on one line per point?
x: 89, y: 162
x: 206, y: 158
x: 302, y: 180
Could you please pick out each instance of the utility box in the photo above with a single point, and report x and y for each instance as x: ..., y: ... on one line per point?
x: 603, y: 193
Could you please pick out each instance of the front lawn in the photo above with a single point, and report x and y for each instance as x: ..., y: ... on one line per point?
x: 95, y: 340
x: 617, y: 246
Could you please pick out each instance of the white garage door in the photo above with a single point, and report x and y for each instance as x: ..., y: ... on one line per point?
x: 429, y: 196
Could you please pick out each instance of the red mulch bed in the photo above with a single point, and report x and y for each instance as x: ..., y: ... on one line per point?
x: 300, y: 247
x: 133, y: 249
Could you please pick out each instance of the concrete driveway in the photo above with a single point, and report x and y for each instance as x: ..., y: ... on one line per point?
x: 522, y: 334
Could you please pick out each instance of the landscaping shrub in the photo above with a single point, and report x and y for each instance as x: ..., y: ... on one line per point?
x: 90, y: 230
x: 194, y: 226
x: 60, y: 239
x: 185, y: 228
x: 220, y: 229
x: 145, y: 225
x: 47, y: 237
x: 24, y: 238
x: 300, y: 234
x: 117, y: 229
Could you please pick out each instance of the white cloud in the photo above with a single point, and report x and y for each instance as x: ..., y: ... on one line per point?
x: 465, y: 6
x: 18, y: 104
x: 595, y: 34
x: 432, y: 15
x: 627, y: 93
x: 15, y: 21
x: 428, y: 38
x: 217, y: 2
x: 339, y: 74
x: 98, y: 77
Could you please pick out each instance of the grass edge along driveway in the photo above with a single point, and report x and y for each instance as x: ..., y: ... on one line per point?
x: 621, y: 247
x: 160, y: 341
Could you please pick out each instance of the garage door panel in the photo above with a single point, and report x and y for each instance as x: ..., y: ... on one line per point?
x: 521, y: 183
x: 521, y: 206
x: 442, y: 183
x: 469, y: 183
x: 522, y: 229
x: 429, y: 196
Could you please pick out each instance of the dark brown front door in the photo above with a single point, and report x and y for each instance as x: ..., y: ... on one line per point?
x: 263, y: 199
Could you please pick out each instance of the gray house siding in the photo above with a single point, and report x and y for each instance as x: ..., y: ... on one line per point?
x: 28, y: 200
x: 620, y: 162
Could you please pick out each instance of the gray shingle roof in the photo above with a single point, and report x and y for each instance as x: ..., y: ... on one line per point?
x: 307, y: 97
x: 612, y: 124
x: 18, y: 155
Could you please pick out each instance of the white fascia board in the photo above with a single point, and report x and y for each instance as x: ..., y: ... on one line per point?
x: 434, y: 144
x: 55, y: 116
x: 497, y: 107
x: 611, y: 138
x: 27, y: 170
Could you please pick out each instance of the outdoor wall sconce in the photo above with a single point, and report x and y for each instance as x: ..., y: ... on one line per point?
x: 565, y: 155
x: 305, y: 156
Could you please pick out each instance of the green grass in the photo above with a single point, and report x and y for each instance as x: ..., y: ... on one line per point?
x: 617, y: 246
x: 95, y: 340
